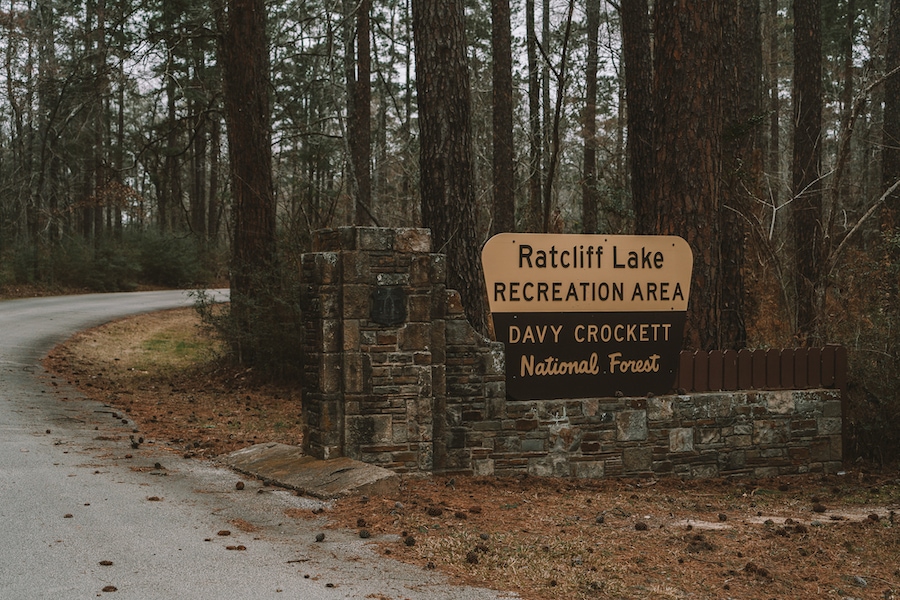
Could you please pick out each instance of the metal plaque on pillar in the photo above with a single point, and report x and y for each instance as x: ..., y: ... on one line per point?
x: 388, y: 305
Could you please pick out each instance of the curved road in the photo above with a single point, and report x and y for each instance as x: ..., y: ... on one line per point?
x: 83, y: 515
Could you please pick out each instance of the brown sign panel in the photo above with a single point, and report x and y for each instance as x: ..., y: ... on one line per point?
x: 588, y: 315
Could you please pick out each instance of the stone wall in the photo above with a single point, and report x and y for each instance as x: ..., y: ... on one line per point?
x: 760, y: 433
x: 368, y: 386
x: 394, y: 375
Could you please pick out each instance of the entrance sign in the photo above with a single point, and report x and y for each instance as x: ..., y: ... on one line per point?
x: 588, y: 315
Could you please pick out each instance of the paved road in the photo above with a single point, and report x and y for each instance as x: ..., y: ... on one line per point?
x: 75, y: 496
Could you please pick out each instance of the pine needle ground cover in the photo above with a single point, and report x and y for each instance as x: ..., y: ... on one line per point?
x: 801, y: 537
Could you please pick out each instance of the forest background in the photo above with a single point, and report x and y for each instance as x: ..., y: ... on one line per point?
x: 182, y: 142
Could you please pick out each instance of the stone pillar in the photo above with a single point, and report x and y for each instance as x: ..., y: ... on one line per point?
x: 373, y: 301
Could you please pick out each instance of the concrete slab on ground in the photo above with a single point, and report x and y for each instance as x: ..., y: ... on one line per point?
x: 287, y: 466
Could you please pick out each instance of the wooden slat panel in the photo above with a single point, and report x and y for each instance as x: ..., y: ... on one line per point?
x: 745, y: 370
x: 801, y: 368
x: 828, y: 366
x: 685, y: 371
x: 773, y: 369
x: 759, y: 369
x: 716, y: 368
x: 787, y: 369
x: 730, y: 370
x: 840, y: 368
x: 814, y: 368
x: 701, y: 371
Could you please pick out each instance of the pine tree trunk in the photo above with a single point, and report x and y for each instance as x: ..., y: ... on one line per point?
x: 359, y: 87
x: 589, y: 169
x: 535, y: 155
x: 446, y: 172
x: 504, y: 199
x: 688, y: 134
x: 247, y: 111
x: 890, y: 156
x: 638, y: 65
x: 806, y: 207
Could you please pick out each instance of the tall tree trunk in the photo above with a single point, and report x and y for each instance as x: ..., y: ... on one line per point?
x: 688, y: 134
x: 774, y: 149
x: 212, y: 227
x: 170, y: 195
x: 638, y: 66
x: 245, y: 61
x: 101, y: 177
x: 554, y: 224
x: 359, y: 86
x: 535, y: 155
x: 806, y: 207
x: 504, y: 199
x: 589, y: 170
x: 198, y: 154
x: 446, y: 171
x: 546, y: 121
x: 742, y: 159
x: 890, y: 154
x: 120, y: 149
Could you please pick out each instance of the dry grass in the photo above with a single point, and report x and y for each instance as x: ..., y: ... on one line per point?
x: 545, y: 539
x: 164, y: 370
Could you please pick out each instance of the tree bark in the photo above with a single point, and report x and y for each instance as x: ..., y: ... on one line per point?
x: 446, y: 171
x: 806, y: 208
x: 742, y: 168
x: 589, y: 170
x: 504, y: 199
x: 638, y: 65
x: 247, y: 111
x: 890, y: 154
x: 535, y: 156
x: 688, y: 134
x: 359, y: 87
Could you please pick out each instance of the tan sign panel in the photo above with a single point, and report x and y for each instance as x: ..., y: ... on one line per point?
x: 588, y: 315
x: 532, y: 272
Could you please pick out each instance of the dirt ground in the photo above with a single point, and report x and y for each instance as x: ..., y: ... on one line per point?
x: 812, y: 536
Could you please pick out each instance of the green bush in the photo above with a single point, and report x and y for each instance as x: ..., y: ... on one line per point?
x: 170, y: 261
x: 112, y: 265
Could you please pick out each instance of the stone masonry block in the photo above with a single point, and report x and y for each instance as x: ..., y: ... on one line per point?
x: 832, y: 408
x: 460, y: 333
x: 420, y: 271
x: 365, y: 430
x: 438, y: 268
x: 415, y: 336
x: 454, y: 303
x: 829, y: 426
x: 328, y: 268
x: 659, y: 408
x: 356, y: 268
x: 330, y: 373
x: 374, y: 238
x: 419, y: 308
x: 354, y: 374
x: 681, y: 439
x: 331, y: 335
x: 425, y: 457
x: 631, y: 425
x: 357, y: 301
x: 592, y: 469
x: 351, y: 338
x: 637, y: 459
x: 483, y: 467
x: 412, y: 240
x: 770, y: 432
x: 392, y: 279
x: 780, y: 403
